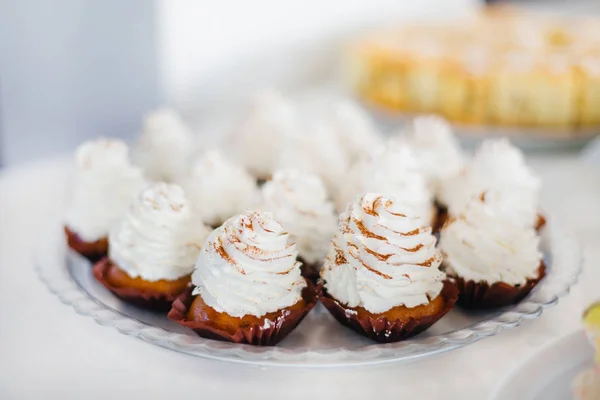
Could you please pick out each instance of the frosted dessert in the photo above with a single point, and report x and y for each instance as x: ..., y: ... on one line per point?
x: 154, y: 249
x: 495, y: 260
x: 247, y: 284
x: 355, y: 131
x: 395, y: 171
x: 219, y: 188
x: 299, y: 201
x: 436, y: 148
x: 164, y: 146
x: 382, y: 273
x: 497, y: 167
x: 258, y: 137
x: 104, y: 184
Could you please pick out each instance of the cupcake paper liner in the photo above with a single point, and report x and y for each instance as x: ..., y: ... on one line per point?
x: 383, y: 330
x: 440, y: 219
x: 310, y: 271
x: 263, y: 334
x: 481, y: 295
x: 144, y: 298
x: 93, y: 251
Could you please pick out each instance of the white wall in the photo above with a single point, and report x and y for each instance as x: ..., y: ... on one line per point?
x: 74, y: 69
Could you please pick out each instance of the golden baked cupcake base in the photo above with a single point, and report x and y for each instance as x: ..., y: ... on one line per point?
x: 481, y: 295
x: 380, y: 328
x: 504, y: 69
x: 93, y: 251
x: 191, y: 312
x: 156, y: 296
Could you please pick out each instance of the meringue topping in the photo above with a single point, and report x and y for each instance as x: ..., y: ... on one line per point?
x: 382, y: 256
x: 218, y: 187
x: 356, y: 133
x: 500, y: 168
x: 299, y: 201
x: 315, y: 150
x: 482, y: 245
x: 164, y: 146
x: 395, y: 171
x: 258, y: 137
x: 160, y: 237
x: 436, y: 148
x: 248, y: 267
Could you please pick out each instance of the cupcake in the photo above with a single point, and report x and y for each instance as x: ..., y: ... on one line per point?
x: 315, y: 150
x: 299, y: 201
x: 395, y: 171
x: 104, y: 184
x: 497, y: 167
x: 164, y: 146
x: 381, y: 276
x: 218, y: 188
x: 257, y: 139
x: 436, y: 149
x: 247, y: 284
x: 494, y: 259
x: 153, y: 249
x: 354, y: 129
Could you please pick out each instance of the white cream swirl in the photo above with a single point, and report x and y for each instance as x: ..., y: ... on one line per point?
x: 259, y: 136
x: 160, y: 237
x: 164, y: 146
x: 500, y: 168
x: 356, y: 133
x: 394, y: 171
x: 248, y: 267
x: 317, y: 151
x: 299, y: 201
x: 383, y: 256
x: 481, y: 245
x: 104, y: 184
x: 219, y: 188
x: 436, y: 148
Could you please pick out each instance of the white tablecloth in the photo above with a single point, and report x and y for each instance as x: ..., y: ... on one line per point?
x: 48, y: 351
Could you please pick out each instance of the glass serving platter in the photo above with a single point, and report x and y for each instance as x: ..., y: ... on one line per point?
x: 319, y: 341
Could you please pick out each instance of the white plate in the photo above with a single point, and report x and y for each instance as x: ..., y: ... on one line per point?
x: 548, y: 375
x: 319, y: 341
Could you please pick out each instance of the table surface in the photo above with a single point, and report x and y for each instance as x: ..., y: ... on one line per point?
x: 47, y: 350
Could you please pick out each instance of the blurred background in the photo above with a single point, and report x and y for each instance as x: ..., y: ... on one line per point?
x: 71, y: 70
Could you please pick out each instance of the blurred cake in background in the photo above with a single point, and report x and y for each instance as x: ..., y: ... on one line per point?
x: 500, y: 67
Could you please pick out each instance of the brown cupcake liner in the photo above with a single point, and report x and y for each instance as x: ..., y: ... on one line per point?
x: 93, y: 251
x: 263, y: 334
x: 383, y: 330
x: 261, y: 181
x: 440, y: 218
x: 310, y: 271
x: 143, y: 298
x: 481, y: 295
